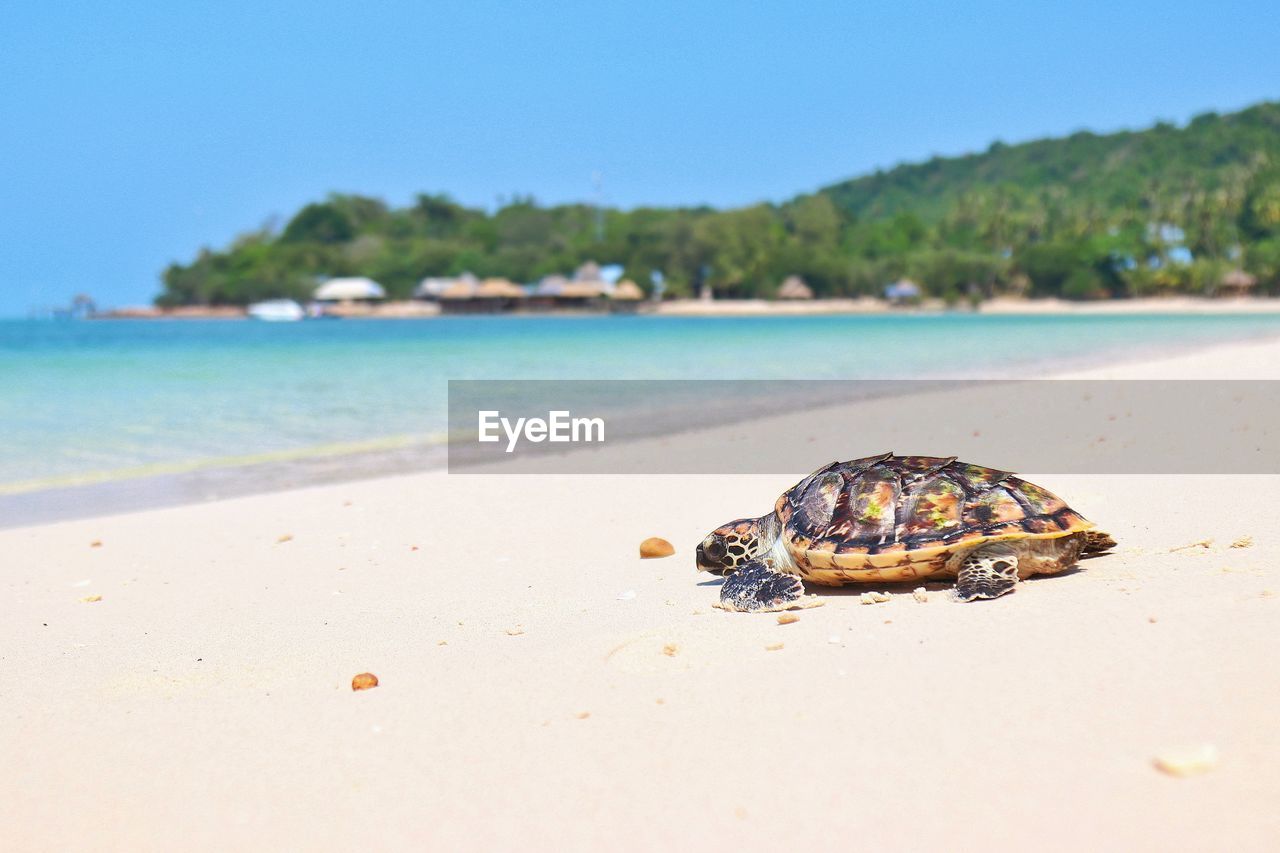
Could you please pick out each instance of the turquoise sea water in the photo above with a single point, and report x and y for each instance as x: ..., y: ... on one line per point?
x: 106, y: 399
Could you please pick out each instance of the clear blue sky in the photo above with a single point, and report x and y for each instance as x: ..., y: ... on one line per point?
x: 133, y: 133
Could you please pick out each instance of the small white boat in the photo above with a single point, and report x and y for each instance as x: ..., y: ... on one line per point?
x: 276, y: 311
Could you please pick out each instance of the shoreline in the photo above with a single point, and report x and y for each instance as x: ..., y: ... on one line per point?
x: 418, y: 310
x: 202, y: 481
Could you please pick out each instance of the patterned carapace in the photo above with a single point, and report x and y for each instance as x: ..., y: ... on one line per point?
x: 907, y: 503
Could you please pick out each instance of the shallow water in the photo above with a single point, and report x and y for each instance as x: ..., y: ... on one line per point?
x: 118, y: 398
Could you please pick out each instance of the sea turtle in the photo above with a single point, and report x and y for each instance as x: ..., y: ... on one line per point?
x: 897, y: 518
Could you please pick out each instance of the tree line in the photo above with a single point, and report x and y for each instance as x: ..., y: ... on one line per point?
x: 1167, y: 209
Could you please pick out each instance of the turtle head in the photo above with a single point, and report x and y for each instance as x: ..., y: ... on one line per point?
x: 732, y: 545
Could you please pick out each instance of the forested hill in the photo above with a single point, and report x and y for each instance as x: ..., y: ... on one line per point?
x: 1161, y: 169
x: 1167, y: 209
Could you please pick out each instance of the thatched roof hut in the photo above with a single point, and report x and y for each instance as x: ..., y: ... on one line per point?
x: 1237, y: 282
x: 499, y: 288
x: 581, y: 290
x: 467, y: 296
x: 627, y: 291
x: 793, y: 287
x: 349, y: 290
x: 459, y: 290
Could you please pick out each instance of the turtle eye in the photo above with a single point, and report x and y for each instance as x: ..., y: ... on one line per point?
x: 714, y: 549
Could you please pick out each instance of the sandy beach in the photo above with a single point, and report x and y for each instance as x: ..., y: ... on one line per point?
x: 180, y: 678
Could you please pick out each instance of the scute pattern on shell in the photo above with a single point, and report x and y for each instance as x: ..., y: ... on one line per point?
x: 897, y: 504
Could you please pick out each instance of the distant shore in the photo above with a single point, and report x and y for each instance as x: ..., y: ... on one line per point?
x: 411, y: 309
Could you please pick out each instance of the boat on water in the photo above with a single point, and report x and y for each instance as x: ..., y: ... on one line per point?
x: 276, y: 311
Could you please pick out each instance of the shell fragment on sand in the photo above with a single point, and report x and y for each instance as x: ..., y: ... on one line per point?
x: 671, y: 650
x: 89, y: 599
x: 1242, y: 542
x: 655, y: 547
x: 1187, y: 761
x: 364, y: 681
x: 787, y: 618
x: 920, y: 594
x: 873, y: 598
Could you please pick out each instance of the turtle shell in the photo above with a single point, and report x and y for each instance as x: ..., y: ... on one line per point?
x: 901, y: 517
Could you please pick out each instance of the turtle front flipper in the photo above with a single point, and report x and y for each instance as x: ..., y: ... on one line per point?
x: 989, y: 571
x: 758, y: 586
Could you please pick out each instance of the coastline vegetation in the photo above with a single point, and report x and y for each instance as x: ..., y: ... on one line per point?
x: 1164, y: 210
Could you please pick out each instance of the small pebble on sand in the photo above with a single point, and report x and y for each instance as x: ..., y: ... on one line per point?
x: 787, y: 618
x: 773, y: 647
x: 1187, y: 761
x: 89, y: 599
x: 364, y: 681
x: 1242, y: 542
x: 284, y: 537
x: 671, y: 650
x: 655, y: 546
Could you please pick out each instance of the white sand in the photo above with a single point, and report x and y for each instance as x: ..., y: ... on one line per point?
x: 204, y: 701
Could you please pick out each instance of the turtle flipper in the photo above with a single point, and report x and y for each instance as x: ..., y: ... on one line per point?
x: 1096, y: 543
x: 758, y: 586
x: 988, y: 572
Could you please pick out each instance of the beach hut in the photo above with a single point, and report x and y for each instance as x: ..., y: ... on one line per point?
x: 555, y: 292
x: 626, y: 297
x: 431, y: 287
x: 590, y: 271
x: 550, y: 285
x: 793, y: 287
x: 546, y: 291
x: 902, y: 292
x: 349, y: 290
x: 1237, y: 282
x: 491, y: 296
x: 580, y: 295
x: 628, y: 291
x: 499, y: 288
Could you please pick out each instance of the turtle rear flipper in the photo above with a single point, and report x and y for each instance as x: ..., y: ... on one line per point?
x: 757, y: 587
x: 1096, y: 543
